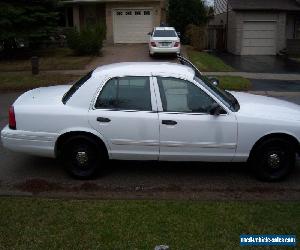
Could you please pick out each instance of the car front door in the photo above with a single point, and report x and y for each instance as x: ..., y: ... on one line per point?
x: 125, y: 114
x: 188, y: 132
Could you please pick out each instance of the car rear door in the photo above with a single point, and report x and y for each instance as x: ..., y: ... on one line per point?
x: 188, y: 132
x: 125, y: 114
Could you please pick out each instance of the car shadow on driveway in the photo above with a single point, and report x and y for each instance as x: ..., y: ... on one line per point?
x: 261, y: 64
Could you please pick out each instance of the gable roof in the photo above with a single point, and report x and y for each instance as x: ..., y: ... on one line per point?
x: 264, y: 5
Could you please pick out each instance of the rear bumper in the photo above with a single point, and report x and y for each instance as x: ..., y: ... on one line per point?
x: 158, y: 50
x: 35, y: 143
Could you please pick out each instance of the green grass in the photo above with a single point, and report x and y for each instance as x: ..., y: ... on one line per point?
x: 25, y: 81
x: 50, y: 59
x: 235, y: 83
x: 207, y: 62
x: 56, y: 224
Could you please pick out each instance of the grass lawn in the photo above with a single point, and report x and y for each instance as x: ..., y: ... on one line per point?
x: 235, y: 83
x: 50, y: 59
x: 207, y: 62
x: 28, y: 223
x: 25, y: 81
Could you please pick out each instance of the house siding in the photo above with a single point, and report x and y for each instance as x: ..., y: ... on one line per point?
x: 220, y: 6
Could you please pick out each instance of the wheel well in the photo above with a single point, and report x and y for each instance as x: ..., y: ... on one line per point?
x: 63, y: 138
x: 294, y: 142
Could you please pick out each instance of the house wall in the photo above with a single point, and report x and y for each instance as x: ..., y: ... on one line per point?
x: 220, y: 6
x: 157, y: 8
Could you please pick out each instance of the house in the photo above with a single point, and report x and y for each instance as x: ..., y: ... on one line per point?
x: 127, y: 21
x: 259, y: 27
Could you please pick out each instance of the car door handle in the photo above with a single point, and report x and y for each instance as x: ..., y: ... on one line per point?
x: 169, y: 122
x: 103, y: 120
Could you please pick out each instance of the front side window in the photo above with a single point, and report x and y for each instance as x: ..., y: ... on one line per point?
x: 183, y: 96
x: 127, y: 93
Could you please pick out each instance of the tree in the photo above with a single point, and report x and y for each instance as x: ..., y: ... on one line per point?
x: 29, y: 20
x: 183, y: 13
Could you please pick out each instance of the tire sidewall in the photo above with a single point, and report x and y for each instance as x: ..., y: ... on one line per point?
x: 258, y: 160
x: 95, y: 153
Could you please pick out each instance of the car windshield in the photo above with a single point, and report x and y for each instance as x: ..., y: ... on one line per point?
x: 225, y: 97
x: 75, y: 87
x: 164, y: 33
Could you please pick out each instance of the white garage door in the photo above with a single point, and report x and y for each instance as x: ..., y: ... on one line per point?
x: 132, y: 25
x: 259, y: 38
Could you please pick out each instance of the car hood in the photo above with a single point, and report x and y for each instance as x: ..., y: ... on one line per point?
x: 258, y: 106
x: 43, y: 96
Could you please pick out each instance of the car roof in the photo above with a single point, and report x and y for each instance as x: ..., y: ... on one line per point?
x: 144, y: 69
x: 164, y: 28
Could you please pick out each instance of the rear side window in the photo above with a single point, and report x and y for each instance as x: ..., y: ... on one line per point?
x: 75, y: 87
x: 127, y: 93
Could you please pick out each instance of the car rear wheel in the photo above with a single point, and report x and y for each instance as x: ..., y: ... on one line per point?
x: 83, y: 157
x: 273, y: 160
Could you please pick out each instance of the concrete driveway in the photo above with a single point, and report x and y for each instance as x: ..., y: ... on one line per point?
x: 27, y: 175
x: 261, y: 64
x: 128, y: 53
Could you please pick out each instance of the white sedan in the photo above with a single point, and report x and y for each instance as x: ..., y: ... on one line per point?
x: 164, y: 40
x: 153, y: 112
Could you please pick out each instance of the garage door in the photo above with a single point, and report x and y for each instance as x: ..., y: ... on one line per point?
x: 132, y: 25
x: 259, y: 38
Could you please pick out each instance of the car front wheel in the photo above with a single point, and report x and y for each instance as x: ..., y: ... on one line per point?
x: 273, y: 160
x: 82, y: 157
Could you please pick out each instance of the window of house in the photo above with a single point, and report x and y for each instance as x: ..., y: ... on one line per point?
x: 127, y: 93
x: 119, y: 13
x: 138, y: 13
x: 183, y: 96
x: 147, y: 13
x: 128, y: 13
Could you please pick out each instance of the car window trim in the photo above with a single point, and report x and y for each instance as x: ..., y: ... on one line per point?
x: 106, y: 80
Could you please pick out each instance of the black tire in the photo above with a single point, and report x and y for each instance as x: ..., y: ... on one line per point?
x: 273, y: 160
x: 83, y: 157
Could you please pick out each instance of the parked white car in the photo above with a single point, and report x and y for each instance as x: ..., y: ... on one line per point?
x: 153, y: 111
x: 164, y: 40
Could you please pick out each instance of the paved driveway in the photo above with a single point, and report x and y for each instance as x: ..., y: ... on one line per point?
x: 276, y: 85
x: 128, y: 53
x: 261, y: 64
x: 28, y: 175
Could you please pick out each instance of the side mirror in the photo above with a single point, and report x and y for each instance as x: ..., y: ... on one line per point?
x: 216, y: 109
x: 178, y: 34
x: 149, y: 34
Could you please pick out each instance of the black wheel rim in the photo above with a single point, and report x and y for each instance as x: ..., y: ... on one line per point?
x: 275, y: 161
x: 82, y: 160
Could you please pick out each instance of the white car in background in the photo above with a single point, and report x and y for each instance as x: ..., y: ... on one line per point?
x: 154, y: 112
x: 164, y: 40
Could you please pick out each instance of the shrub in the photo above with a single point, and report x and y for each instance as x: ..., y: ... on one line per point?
x: 87, y: 41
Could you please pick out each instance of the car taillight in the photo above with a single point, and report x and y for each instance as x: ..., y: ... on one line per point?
x: 12, y: 118
x: 153, y: 44
x: 177, y: 44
